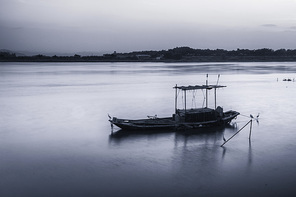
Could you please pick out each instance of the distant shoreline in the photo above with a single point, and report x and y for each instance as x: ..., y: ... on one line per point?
x: 179, y: 54
x: 197, y: 60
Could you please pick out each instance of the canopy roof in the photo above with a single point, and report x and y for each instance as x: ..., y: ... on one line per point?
x: 198, y: 87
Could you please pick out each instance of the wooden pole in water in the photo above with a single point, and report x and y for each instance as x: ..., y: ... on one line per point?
x: 250, y: 129
x: 236, y: 133
x: 111, y: 128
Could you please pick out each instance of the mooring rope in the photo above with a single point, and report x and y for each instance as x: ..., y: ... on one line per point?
x: 193, y: 104
x: 203, y: 103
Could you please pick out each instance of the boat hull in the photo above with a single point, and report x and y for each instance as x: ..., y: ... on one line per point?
x: 169, y: 123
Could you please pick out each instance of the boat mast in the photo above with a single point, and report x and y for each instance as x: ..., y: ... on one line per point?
x: 216, y: 91
x: 207, y: 91
x: 185, y: 102
x: 215, y: 98
x: 176, y: 99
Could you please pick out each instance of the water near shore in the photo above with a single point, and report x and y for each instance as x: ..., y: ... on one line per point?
x: 55, y: 138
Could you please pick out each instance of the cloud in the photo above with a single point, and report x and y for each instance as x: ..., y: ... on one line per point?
x: 75, y: 25
x: 269, y: 25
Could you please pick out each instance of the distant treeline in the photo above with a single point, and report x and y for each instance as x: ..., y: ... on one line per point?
x: 185, y: 54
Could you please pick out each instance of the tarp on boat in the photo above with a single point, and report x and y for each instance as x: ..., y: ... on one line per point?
x: 198, y: 87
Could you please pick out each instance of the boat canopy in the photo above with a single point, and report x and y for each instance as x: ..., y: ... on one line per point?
x: 198, y: 87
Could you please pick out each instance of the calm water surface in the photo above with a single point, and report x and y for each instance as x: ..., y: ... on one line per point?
x: 55, y: 139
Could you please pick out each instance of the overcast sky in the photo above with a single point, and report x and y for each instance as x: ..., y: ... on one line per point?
x: 131, y: 25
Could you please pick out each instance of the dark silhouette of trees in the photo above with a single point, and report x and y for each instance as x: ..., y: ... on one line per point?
x: 7, y: 55
x: 175, y: 54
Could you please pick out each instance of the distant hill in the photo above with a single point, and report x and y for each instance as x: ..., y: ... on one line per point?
x: 11, y: 52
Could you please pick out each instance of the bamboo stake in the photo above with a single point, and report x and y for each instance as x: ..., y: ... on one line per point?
x: 111, y: 128
x: 250, y: 129
x: 236, y: 133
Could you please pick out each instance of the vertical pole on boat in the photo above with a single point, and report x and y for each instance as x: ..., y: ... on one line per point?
x: 250, y: 129
x: 185, y: 101
x: 176, y: 97
x: 216, y: 91
x: 215, y: 98
x: 207, y: 91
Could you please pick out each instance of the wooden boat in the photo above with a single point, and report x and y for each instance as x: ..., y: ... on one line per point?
x: 182, y: 118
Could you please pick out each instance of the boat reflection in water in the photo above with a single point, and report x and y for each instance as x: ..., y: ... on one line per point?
x: 193, y: 160
x: 211, y: 135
